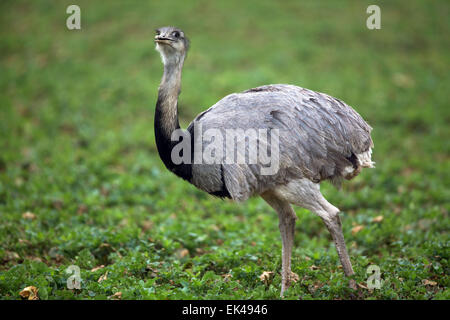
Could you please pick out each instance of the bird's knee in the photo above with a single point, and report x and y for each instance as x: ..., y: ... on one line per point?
x: 328, y: 215
x: 331, y: 218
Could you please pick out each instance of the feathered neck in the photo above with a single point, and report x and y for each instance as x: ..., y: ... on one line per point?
x: 166, y: 116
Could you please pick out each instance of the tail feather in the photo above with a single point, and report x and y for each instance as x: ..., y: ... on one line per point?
x: 365, y: 159
x: 360, y: 161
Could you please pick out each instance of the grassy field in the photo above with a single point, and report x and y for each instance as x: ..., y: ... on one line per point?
x: 81, y: 182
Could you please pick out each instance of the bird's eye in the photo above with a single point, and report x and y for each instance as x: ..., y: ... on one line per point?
x: 176, y: 34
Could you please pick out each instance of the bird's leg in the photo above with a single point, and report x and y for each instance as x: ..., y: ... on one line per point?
x: 333, y: 224
x: 287, y: 218
x: 287, y: 229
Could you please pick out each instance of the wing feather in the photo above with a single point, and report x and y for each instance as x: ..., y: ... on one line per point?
x: 318, y: 135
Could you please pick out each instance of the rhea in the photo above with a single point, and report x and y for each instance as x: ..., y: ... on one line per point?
x: 319, y: 138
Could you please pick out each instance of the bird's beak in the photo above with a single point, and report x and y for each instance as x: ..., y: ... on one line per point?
x: 163, y: 40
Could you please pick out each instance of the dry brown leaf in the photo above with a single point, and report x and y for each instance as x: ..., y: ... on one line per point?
x: 97, y: 268
x: 152, y: 271
x: 357, y: 229
x: 427, y: 282
x: 424, y: 224
x: 313, y: 267
x: 104, y: 191
x: 24, y: 241
x: 403, y: 80
x: 226, y: 277
x: 124, y: 222
x: 82, y: 209
x: 18, y: 181
x: 401, y: 189
x: 28, y: 215
x: 11, y: 255
x: 182, y: 253
x: 266, y: 277
x: 146, y: 225
x: 407, y: 227
x: 38, y: 259
x: 214, y: 227
x: 116, y: 296
x: 30, y: 293
x: 199, y: 251
x: 103, y: 277
x: 294, y: 277
x: 313, y: 287
x: 118, y: 169
x: 361, y: 285
x: 378, y: 219
x: 58, y: 204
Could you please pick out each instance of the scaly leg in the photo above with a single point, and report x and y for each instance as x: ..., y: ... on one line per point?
x: 333, y: 224
x: 287, y: 218
x: 307, y: 194
x: 330, y: 216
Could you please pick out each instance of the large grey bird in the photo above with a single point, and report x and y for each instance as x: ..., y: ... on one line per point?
x: 318, y: 138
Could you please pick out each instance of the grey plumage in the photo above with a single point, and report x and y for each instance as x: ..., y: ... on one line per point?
x: 319, y: 138
x: 318, y: 135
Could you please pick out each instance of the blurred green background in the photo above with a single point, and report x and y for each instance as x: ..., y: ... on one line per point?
x: 81, y: 182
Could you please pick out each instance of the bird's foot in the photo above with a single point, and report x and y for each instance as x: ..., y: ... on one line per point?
x: 291, y: 277
x: 352, y: 284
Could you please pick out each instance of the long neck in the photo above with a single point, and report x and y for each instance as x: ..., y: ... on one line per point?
x: 166, y: 114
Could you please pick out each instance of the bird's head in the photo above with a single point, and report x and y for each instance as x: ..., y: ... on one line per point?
x: 172, y: 44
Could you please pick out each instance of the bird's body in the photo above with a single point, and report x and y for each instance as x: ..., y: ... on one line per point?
x: 313, y: 137
x: 320, y: 138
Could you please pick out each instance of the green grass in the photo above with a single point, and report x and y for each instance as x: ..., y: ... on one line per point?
x: 77, y: 149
